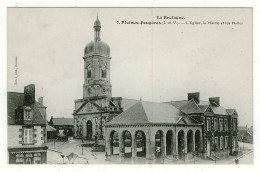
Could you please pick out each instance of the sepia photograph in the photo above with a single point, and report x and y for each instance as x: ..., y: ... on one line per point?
x: 130, y: 86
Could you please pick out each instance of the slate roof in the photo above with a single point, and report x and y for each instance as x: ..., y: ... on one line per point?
x: 63, y: 121
x: 190, y: 108
x: 230, y: 111
x: 150, y: 113
x: 127, y: 103
x: 178, y: 104
x: 50, y: 128
x: 219, y: 110
x: 203, y: 108
x: 15, y: 101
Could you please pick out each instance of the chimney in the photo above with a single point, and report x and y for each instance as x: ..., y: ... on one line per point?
x: 195, y: 96
x: 29, y: 94
x: 214, y: 101
x: 40, y: 100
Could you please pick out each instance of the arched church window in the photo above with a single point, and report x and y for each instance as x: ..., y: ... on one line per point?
x: 89, y: 72
x: 103, y: 71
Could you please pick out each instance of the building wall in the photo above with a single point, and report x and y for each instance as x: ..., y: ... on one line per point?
x: 38, y: 132
x: 216, y: 132
x: 13, y: 135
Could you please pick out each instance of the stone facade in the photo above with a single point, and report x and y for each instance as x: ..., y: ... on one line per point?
x: 168, y: 141
x: 26, y: 128
x: 97, y: 106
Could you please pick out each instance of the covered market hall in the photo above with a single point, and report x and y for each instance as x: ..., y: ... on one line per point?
x: 153, y: 131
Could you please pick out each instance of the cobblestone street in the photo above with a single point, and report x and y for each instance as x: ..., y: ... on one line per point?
x: 74, y: 146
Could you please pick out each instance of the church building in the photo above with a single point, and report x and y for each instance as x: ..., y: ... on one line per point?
x: 136, y: 128
x: 97, y: 105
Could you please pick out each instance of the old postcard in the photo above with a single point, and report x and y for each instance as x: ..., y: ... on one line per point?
x: 130, y: 85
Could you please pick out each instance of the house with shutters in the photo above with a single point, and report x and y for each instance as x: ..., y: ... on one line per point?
x: 26, y: 120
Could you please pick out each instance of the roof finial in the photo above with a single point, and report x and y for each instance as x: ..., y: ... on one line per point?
x: 141, y: 99
x: 97, y: 15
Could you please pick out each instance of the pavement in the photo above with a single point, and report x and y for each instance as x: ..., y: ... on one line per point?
x: 73, y: 146
x: 56, y: 149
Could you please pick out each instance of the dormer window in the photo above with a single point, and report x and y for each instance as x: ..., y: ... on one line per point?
x: 27, y: 113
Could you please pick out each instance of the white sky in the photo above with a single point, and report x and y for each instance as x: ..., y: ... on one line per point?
x: 155, y: 62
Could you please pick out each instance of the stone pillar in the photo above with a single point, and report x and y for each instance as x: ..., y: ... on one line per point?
x: 84, y: 128
x: 163, y: 154
x: 108, y: 147
x: 185, y: 142
x: 134, y: 150
x: 163, y: 145
x: 175, y: 145
x: 93, y: 128
x: 172, y: 140
x: 147, y: 146
x: 185, y: 145
x: 202, y: 144
x: 121, y: 147
x: 151, y: 147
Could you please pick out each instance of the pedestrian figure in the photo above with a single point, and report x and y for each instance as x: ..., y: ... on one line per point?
x: 236, y: 161
x: 158, y: 150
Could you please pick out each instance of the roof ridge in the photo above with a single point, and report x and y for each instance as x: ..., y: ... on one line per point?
x: 14, y: 92
x: 62, y: 118
x: 178, y: 100
x: 196, y: 105
x: 127, y: 98
x: 143, y: 110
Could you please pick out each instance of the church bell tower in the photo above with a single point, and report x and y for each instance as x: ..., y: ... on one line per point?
x: 97, y: 67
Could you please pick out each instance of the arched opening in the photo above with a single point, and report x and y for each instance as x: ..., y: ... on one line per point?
x: 114, y: 143
x: 169, y: 145
x: 158, y: 143
x: 127, y: 144
x: 181, y: 142
x: 140, y: 143
x: 189, y: 141
x: 89, y: 129
x: 197, y: 142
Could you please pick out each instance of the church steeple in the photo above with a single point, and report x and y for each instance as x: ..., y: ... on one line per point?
x: 97, y: 28
x: 97, y: 66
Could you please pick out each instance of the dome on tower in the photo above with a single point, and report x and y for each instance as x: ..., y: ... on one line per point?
x: 97, y: 46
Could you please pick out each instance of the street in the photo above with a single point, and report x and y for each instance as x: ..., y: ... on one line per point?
x: 56, y: 149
